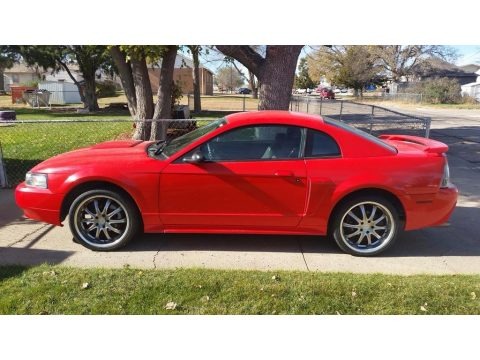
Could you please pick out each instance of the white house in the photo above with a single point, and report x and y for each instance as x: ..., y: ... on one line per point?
x: 473, y: 89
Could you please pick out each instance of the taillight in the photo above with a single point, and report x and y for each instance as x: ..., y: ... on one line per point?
x: 446, y: 175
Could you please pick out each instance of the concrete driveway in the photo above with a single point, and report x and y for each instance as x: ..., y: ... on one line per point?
x: 452, y: 249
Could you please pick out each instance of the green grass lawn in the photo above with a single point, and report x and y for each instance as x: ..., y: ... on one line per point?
x: 61, y: 290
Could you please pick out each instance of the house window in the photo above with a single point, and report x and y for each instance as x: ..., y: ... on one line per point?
x: 15, y: 78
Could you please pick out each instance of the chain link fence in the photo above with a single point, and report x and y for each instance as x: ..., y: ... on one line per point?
x: 370, y: 118
x: 25, y: 143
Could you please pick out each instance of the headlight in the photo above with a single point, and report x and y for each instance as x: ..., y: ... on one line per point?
x: 36, y: 180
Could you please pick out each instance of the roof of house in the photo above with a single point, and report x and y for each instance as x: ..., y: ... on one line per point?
x: 181, y: 61
x: 21, y: 68
x: 470, y: 68
x: 442, y: 68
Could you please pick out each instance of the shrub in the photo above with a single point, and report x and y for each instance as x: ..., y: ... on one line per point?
x: 106, y: 89
x: 440, y: 91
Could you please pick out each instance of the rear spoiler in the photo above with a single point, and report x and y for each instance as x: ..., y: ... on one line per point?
x: 431, y: 146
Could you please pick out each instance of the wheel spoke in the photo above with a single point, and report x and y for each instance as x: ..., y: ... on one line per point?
x: 353, y: 234
x: 369, y: 239
x: 87, y: 221
x: 379, y: 219
x: 97, y: 233
x: 107, y: 235
x: 372, y: 215
x: 360, y: 238
x: 113, y: 229
x: 355, y: 217
x: 347, y: 226
x: 379, y: 228
x: 97, y: 209
x: 89, y: 212
x: 364, y: 214
x: 107, y: 205
x: 374, y: 233
x: 114, y: 212
x: 119, y: 221
x: 93, y: 226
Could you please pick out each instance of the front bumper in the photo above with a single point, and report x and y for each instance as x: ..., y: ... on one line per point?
x: 39, y: 204
x: 424, y: 212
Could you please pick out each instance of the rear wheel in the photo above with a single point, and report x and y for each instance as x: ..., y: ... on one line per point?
x: 103, y: 220
x: 365, y: 225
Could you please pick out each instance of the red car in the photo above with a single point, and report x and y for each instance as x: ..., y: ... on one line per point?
x: 266, y: 172
x: 326, y: 93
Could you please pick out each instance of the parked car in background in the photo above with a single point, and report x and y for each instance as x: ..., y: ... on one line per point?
x: 244, y: 91
x: 326, y: 93
x: 264, y: 172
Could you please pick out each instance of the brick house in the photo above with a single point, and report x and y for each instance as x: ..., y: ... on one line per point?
x: 183, y: 76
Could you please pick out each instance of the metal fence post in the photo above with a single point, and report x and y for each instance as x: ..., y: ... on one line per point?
x: 427, y: 127
x: 244, y: 96
x: 321, y: 103
x: 341, y: 109
x: 371, y: 118
x: 291, y: 103
x: 308, y: 102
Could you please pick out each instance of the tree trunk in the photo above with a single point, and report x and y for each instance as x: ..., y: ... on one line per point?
x: 253, y: 84
x: 197, y: 102
x: 275, y: 72
x: 277, y: 77
x: 90, y: 95
x: 144, y: 97
x: 126, y: 78
x: 2, y: 81
x: 163, y: 107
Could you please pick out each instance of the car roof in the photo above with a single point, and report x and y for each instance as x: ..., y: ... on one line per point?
x: 275, y: 117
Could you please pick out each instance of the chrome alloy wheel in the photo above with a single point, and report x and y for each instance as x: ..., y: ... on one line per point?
x: 101, y: 221
x: 367, y: 227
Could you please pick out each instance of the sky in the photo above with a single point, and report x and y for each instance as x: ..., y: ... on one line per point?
x: 467, y: 54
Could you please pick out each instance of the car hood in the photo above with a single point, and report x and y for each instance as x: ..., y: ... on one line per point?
x: 111, y: 153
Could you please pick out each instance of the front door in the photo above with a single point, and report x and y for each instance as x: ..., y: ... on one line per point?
x: 251, y: 177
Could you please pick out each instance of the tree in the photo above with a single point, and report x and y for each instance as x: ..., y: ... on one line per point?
x: 7, y: 59
x: 131, y: 63
x: 197, y: 101
x: 403, y: 60
x: 275, y: 71
x: 352, y: 66
x: 228, y: 78
x: 89, y: 58
x: 303, y: 80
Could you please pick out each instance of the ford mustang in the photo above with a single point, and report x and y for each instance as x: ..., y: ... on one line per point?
x: 265, y: 172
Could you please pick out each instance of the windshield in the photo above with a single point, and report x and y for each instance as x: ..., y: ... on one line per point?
x: 179, y: 143
x: 359, y: 133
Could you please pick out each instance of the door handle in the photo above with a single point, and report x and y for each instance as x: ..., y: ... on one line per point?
x: 284, y: 173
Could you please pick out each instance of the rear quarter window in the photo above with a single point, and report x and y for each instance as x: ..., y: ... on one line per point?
x: 320, y: 144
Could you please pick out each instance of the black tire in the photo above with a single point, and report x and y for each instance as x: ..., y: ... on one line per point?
x: 103, y: 220
x: 363, y: 232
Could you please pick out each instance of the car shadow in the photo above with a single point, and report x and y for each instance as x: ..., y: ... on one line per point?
x: 10, y: 257
x: 459, y: 238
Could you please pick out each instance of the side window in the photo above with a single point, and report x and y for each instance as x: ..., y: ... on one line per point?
x: 320, y: 144
x: 259, y: 142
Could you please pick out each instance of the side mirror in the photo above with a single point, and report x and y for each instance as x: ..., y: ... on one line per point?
x: 195, y: 158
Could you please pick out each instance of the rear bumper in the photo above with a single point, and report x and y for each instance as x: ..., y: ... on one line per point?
x: 423, y: 212
x: 39, y: 204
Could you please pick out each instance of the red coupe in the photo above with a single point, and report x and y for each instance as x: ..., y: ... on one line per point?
x: 266, y: 172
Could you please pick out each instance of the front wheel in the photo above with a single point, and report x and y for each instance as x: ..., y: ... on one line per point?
x: 103, y: 220
x: 365, y: 225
